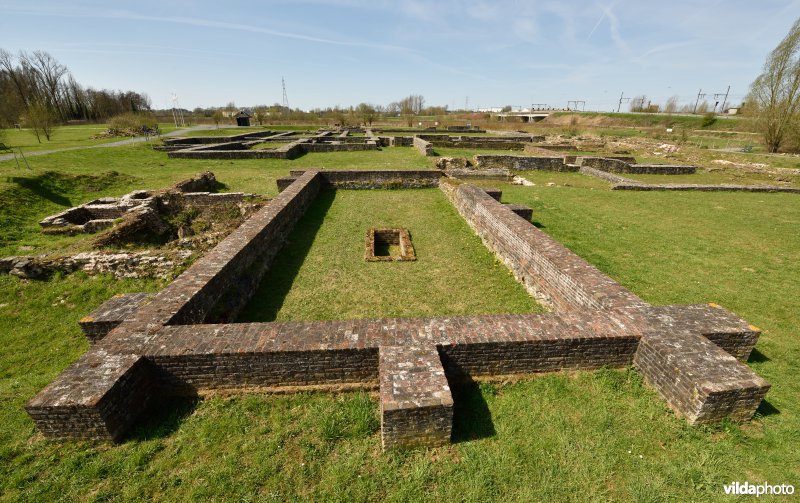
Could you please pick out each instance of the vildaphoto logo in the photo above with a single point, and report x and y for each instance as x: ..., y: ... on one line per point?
x: 745, y: 488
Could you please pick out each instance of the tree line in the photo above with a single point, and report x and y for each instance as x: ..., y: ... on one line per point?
x: 35, y: 84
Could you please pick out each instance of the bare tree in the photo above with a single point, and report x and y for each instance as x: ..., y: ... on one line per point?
x: 638, y: 103
x: 671, y: 106
x: 41, y: 119
x: 217, y: 117
x: 774, y: 98
x: 48, y: 73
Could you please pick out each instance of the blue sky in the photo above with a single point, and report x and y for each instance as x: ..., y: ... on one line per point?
x: 342, y: 52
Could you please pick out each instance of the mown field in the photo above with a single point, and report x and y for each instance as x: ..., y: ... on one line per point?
x: 585, y: 436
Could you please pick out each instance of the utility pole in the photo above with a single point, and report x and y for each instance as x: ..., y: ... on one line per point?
x: 621, y: 98
x: 466, y: 103
x: 700, y: 94
x: 285, y: 98
x: 577, y: 103
x: 717, y: 95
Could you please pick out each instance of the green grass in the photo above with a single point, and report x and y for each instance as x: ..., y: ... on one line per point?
x: 585, y: 436
x: 27, y: 196
x: 63, y: 137
x: 718, y: 177
x: 469, y: 153
x: 322, y: 273
x: 269, y: 145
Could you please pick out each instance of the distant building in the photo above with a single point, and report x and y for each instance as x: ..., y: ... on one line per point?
x: 242, y: 118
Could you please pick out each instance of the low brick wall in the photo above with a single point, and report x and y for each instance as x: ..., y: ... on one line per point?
x: 550, y: 272
x: 536, y: 148
x: 605, y: 175
x: 164, y: 347
x: 424, y: 147
x: 105, y: 394
x: 523, y: 163
x: 340, y: 147
x: 416, y: 404
x: 698, y: 379
x: 111, y: 314
x: 714, y: 322
x: 290, y: 151
x: 200, y: 140
x: 661, y: 169
x: 221, y: 282
x: 626, y: 165
x: 378, y: 179
x: 609, y: 164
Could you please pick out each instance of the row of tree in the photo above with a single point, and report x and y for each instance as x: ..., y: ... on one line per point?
x: 364, y: 113
x: 36, y: 83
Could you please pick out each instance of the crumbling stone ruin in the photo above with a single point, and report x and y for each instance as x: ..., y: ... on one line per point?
x: 178, y: 341
x: 186, y: 216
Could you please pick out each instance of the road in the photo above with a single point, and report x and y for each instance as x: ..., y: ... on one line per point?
x: 128, y: 141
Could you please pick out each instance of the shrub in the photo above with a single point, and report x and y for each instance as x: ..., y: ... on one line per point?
x: 708, y: 119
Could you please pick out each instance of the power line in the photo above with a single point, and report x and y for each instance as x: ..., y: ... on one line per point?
x: 700, y: 94
x: 578, y: 103
x: 717, y: 95
x: 621, y: 98
x: 285, y: 97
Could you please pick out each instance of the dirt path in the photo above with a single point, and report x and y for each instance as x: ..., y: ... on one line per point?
x: 128, y: 141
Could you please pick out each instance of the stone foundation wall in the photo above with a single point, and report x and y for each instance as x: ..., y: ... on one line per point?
x: 416, y: 404
x: 424, y: 147
x: 550, y: 272
x: 221, y: 282
x: 538, y: 147
x: 523, y: 163
x: 604, y: 175
x: 107, y: 393
x: 627, y: 165
x: 290, y: 151
x: 698, y: 379
x: 378, y: 179
x: 340, y: 147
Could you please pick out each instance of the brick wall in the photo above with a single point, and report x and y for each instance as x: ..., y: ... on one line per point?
x: 425, y: 148
x: 221, y: 282
x: 697, y: 378
x: 377, y: 179
x: 523, y: 163
x: 550, y: 272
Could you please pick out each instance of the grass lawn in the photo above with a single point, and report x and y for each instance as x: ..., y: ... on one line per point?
x: 718, y: 177
x: 585, y: 436
x: 64, y: 137
x: 27, y: 196
x: 469, y: 153
x: 322, y: 273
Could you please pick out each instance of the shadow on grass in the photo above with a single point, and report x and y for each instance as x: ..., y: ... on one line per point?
x: 39, y: 186
x: 757, y: 356
x: 766, y: 409
x: 538, y: 225
x: 472, y: 418
x: 164, y: 417
x: 271, y: 292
